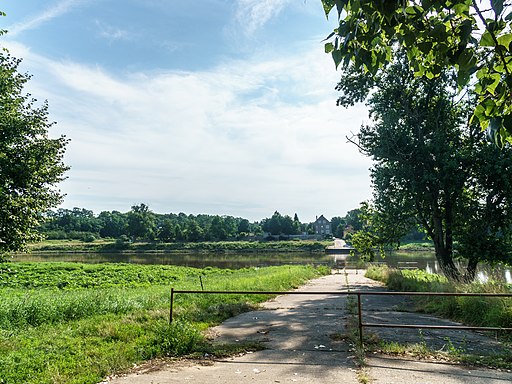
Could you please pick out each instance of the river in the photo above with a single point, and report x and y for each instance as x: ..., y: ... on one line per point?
x: 416, y: 259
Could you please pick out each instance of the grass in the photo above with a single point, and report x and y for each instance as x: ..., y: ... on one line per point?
x: 108, y: 317
x: 417, y: 246
x: 474, y: 311
x: 450, y: 353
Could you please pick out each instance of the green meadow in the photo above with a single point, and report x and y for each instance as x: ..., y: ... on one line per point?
x: 78, y: 323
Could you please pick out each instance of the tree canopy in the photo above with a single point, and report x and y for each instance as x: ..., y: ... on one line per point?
x: 30, y: 162
x: 472, y: 37
x: 432, y: 168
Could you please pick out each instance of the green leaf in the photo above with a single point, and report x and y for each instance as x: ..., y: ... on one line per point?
x: 490, y: 107
x: 461, y: 9
x: 478, y: 113
x: 425, y: 46
x: 466, y: 60
x: 497, y: 5
x: 466, y: 27
x: 415, y: 10
x: 486, y: 40
x: 482, y: 72
x: 439, y: 32
x: 409, y: 38
x: 329, y: 47
x: 337, y: 57
x: 462, y: 79
x: 330, y: 35
x: 494, y: 81
x: 339, y: 6
x: 496, y: 132
x: 507, y: 123
x: 505, y: 40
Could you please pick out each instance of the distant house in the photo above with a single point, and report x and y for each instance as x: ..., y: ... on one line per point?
x: 322, y: 226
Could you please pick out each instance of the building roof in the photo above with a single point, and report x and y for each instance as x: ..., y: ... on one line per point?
x: 321, y: 217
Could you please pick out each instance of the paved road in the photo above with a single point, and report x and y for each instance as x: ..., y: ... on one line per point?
x: 298, y: 333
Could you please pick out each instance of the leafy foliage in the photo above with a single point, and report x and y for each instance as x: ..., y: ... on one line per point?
x: 434, y: 170
x: 67, y: 276
x: 436, y: 35
x: 281, y: 225
x: 30, y: 162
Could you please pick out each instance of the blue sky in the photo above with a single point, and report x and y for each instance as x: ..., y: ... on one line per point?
x: 206, y: 106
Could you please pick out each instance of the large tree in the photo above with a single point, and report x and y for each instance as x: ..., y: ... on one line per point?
x: 432, y: 168
x: 472, y: 37
x: 141, y: 222
x: 30, y: 161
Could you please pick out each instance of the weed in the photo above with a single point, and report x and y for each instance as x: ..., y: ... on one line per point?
x: 175, y: 339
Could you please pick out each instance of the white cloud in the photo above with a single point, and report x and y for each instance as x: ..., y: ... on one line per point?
x: 244, y: 138
x: 112, y: 33
x: 254, y: 14
x: 50, y: 13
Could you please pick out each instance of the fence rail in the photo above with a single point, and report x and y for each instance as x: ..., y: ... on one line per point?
x: 359, y: 294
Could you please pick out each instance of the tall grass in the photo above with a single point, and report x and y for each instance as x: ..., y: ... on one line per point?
x: 476, y: 311
x: 81, y: 335
x: 21, y: 309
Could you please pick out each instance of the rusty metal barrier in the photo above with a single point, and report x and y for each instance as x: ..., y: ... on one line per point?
x: 361, y: 324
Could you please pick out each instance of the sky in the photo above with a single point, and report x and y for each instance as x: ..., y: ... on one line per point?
x: 222, y: 107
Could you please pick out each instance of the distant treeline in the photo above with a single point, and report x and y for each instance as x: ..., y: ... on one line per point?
x: 140, y: 223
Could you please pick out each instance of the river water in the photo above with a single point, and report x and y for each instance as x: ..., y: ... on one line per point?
x: 416, y: 259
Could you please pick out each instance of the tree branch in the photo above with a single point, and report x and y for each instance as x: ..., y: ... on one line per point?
x: 493, y: 36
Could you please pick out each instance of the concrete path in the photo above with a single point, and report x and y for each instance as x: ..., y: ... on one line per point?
x: 299, y: 334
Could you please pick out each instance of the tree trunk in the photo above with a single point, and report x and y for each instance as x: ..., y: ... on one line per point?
x: 442, y: 236
x: 450, y: 270
x: 444, y: 253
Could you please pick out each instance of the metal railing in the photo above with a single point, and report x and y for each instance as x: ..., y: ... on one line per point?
x: 359, y: 294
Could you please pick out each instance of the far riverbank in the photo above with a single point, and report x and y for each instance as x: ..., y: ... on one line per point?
x: 113, y: 246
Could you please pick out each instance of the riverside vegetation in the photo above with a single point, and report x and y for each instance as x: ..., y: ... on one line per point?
x: 112, y: 246
x: 474, y: 311
x: 78, y: 323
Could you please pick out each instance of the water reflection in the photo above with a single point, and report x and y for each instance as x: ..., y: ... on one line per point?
x: 404, y: 260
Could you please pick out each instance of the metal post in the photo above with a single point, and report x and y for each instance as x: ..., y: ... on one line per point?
x: 172, y: 302
x: 360, y: 315
x: 201, y: 281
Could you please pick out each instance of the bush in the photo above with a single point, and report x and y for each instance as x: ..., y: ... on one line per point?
x: 89, y: 238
